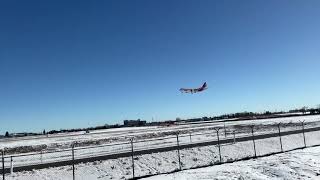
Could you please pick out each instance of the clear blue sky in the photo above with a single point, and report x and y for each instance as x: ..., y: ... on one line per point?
x: 70, y: 64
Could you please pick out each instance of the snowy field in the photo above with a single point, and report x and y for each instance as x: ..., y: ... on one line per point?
x: 108, y: 136
x: 117, y: 140
x: 301, y: 163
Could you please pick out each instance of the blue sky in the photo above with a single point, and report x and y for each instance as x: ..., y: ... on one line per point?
x: 70, y: 64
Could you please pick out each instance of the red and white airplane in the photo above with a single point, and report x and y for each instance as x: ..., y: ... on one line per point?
x: 202, y: 88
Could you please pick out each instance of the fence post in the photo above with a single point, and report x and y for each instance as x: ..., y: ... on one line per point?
x: 280, y: 137
x: 254, y: 144
x: 190, y: 137
x: 217, y: 130
x: 156, y: 165
x: 73, y: 169
x: 11, y: 165
x: 304, y: 138
x: 225, y: 131
x: 234, y: 136
x: 41, y: 159
x: 178, y: 148
x: 3, y: 171
x: 132, y: 154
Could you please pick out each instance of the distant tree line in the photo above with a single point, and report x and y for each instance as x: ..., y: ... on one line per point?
x: 239, y: 115
x: 305, y: 110
x: 85, y: 129
x: 63, y: 131
x: 255, y: 115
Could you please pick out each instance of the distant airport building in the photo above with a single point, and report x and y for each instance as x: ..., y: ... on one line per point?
x: 130, y: 123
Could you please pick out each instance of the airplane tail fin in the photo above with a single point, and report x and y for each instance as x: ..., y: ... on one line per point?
x: 204, y: 85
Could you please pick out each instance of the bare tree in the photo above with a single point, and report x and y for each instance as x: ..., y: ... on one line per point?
x: 304, y: 109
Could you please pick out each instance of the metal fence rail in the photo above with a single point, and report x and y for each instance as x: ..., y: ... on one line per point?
x: 67, y: 157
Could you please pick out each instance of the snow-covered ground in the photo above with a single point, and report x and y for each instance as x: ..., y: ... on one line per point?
x: 65, y: 140
x: 299, y: 163
x: 147, y: 140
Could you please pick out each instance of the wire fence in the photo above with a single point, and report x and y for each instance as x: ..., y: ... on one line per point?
x: 142, y: 158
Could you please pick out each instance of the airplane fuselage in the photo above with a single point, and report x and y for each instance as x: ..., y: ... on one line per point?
x: 202, y: 88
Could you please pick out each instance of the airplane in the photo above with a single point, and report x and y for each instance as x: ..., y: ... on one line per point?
x: 202, y: 88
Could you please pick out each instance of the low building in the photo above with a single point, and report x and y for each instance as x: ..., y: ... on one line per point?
x: 131, y: 123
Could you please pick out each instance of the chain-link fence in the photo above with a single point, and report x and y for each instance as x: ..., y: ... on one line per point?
x: 146, y: 157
